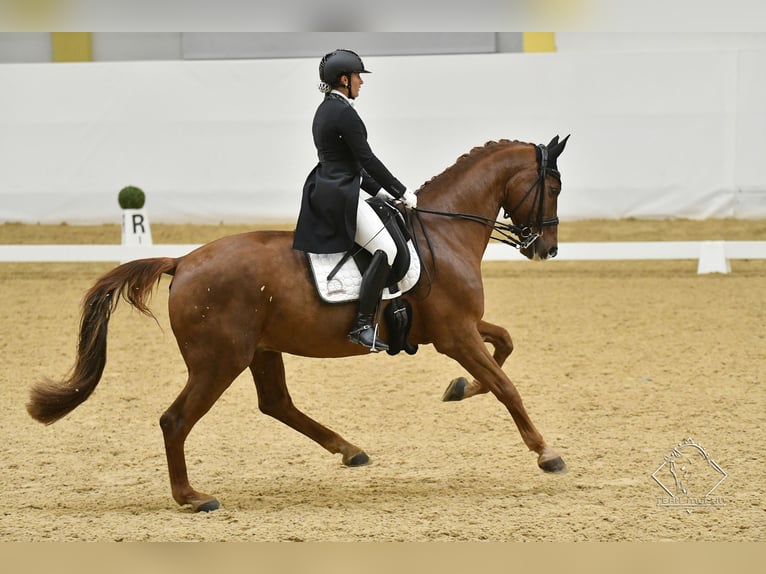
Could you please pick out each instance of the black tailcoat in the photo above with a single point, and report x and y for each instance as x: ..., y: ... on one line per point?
x: 327, y: 219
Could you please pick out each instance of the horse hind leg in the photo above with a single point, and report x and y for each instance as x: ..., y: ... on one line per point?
x: 274, y: 400
x: 202, y: 390
x: 460, y: 388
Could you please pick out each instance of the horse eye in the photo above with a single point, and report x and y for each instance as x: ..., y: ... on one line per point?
x: 555, y: 191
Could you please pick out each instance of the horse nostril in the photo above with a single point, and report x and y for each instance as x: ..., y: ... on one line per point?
x: 553, y: 251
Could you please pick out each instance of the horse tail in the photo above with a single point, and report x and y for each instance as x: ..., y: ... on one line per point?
x: 133, y: 282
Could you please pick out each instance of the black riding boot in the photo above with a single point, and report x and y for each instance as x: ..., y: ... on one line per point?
x: 373, y: 282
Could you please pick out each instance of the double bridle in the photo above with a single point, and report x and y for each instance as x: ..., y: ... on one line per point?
x: 518, y: 236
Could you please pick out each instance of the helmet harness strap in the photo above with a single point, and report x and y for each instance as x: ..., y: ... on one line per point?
x: 348, y: 85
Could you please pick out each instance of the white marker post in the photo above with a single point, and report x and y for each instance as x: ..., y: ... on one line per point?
x: 135, y: 227
x: 135, y: 221
x: 713, y: 258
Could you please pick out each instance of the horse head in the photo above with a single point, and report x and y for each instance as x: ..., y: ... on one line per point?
x: 531, y: 201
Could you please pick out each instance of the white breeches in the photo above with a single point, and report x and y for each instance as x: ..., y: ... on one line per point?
x: 370, y: 232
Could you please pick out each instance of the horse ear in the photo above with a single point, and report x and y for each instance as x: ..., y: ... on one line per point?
x: 553, y: 142
x: 555, y: 149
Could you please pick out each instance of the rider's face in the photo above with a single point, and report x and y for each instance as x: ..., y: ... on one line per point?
x: 356, y: 83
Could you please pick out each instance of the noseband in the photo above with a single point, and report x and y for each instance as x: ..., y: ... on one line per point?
x: 518, y: 236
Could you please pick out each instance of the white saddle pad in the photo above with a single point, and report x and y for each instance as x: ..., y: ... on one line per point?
x: 344, y: 286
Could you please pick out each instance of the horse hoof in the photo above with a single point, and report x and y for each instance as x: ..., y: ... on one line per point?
x: 358, y: 460
x: 553, y: 465
x: 455, y: 390
x: 208, y: 506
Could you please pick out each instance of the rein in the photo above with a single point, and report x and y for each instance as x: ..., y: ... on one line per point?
x: 517, y: 236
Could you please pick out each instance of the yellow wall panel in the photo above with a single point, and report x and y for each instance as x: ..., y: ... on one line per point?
x: 539, y: 42
x: 72, y: 46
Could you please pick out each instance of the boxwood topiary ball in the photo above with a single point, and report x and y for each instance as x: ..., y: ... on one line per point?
x: 131, y: 197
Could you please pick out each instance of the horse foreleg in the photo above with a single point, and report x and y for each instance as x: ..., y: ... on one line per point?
x: 471, y: 353
x: 274, y: 400
x: 460, y: 388
x: 201, y: 392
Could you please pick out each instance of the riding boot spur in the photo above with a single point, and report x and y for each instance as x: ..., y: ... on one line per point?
x: 363, y: 332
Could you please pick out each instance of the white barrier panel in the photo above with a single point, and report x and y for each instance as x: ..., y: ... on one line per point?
x: 89, y: 253
x: 713, y: 256
x: 634, y: 250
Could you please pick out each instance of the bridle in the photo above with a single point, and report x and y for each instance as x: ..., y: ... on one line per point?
x: 518, y: 236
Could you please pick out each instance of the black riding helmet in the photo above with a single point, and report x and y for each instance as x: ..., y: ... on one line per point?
x: 337, y: 64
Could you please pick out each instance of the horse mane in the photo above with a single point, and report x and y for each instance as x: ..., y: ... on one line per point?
x: 474, y: 154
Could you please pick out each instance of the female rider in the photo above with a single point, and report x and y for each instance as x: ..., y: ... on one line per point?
x: 334, y: 215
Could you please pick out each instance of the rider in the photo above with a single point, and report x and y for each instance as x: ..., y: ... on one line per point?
x: 334, y: 215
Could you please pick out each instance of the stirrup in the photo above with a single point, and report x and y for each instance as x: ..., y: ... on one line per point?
x: 367, y: 336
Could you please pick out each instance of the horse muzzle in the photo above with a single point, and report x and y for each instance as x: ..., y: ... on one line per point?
x: 540, y: 251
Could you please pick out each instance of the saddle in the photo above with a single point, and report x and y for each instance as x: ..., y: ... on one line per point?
x: 338, y: 276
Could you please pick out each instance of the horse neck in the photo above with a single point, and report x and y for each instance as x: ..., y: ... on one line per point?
x: 476, y: 182
x: 476, y: 185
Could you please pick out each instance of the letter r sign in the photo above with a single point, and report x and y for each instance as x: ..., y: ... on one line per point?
x: 135, y: 227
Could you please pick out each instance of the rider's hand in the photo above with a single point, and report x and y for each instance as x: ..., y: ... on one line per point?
x: 409, y: 199
x: 384, y: 195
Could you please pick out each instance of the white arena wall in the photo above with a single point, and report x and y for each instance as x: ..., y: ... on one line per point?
x: 660, y: 134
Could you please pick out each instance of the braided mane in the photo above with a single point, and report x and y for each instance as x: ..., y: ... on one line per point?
x: 475, y: 153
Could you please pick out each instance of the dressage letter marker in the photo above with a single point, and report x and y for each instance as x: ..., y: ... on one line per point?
x: 135, y: 222
x: 135, y: 227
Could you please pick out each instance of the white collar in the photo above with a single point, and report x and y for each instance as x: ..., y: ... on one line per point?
x: 345, y: 97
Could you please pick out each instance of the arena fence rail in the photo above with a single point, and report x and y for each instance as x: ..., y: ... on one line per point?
x: 712, y: 256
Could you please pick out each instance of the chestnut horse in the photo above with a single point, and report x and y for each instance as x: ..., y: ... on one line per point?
x: 243, y: 300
